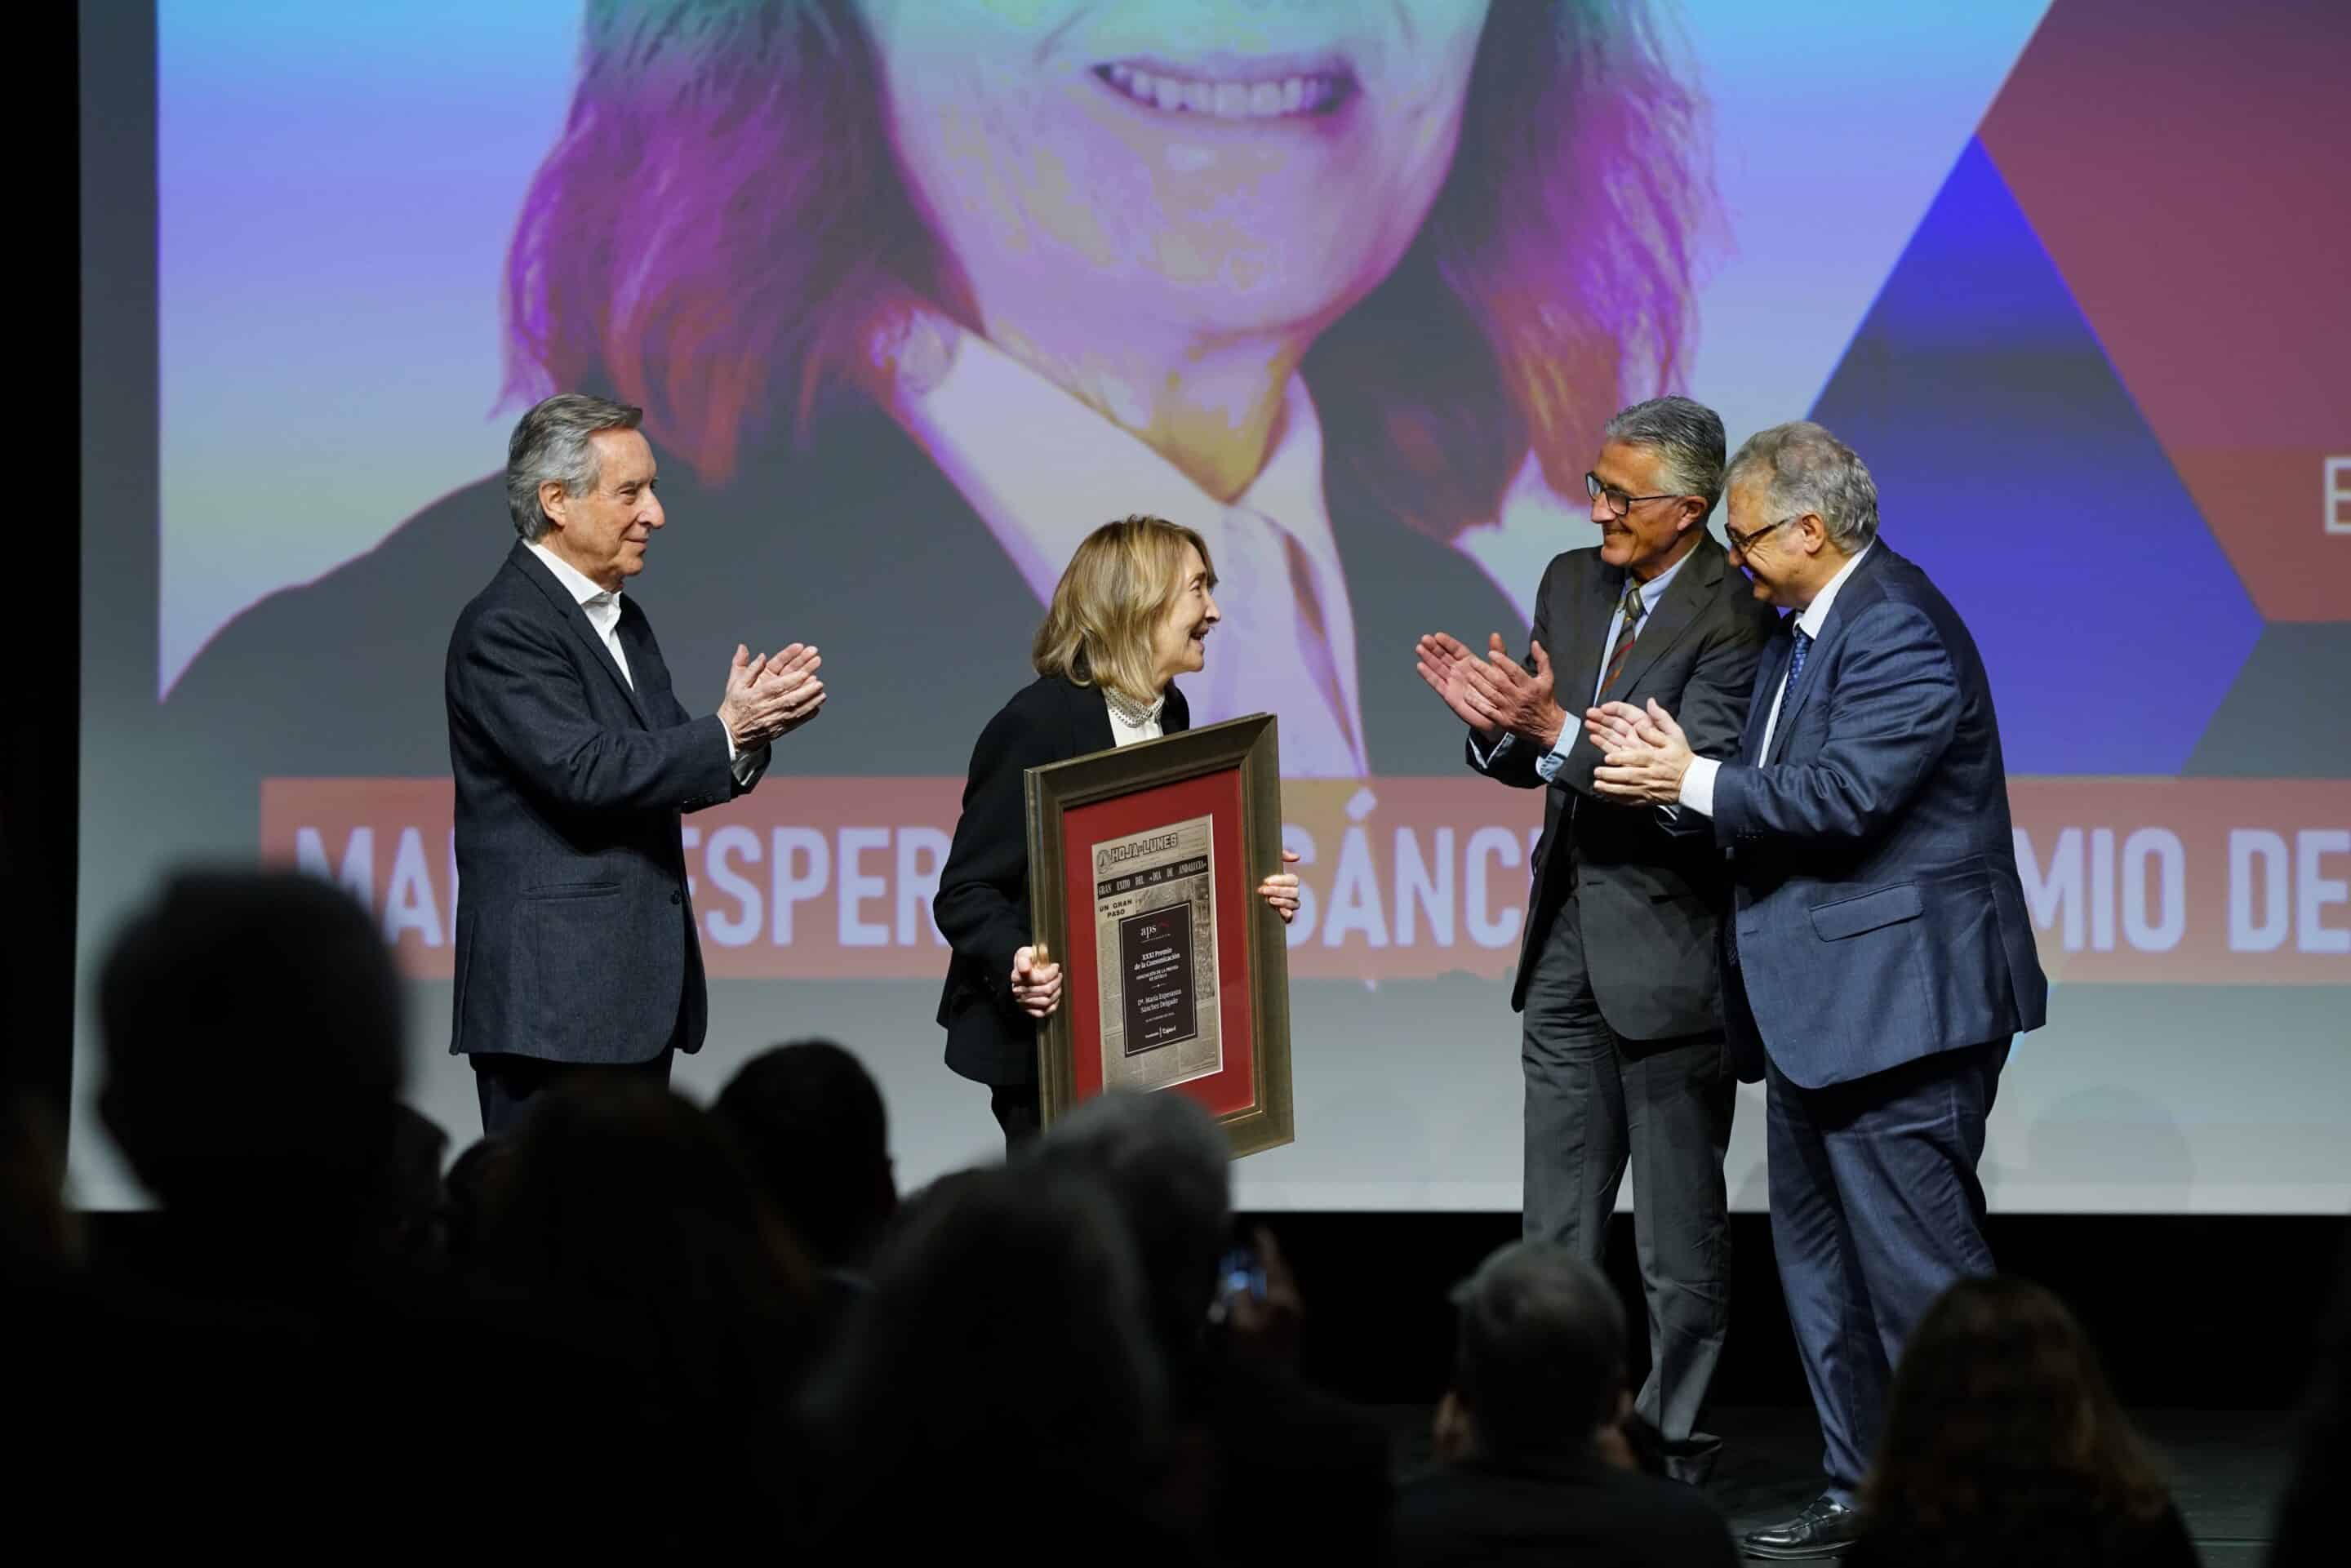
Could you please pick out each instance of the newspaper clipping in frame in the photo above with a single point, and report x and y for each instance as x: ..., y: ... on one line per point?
x: 1156, y: 931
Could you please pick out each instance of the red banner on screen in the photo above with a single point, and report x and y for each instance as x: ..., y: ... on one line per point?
x: 2192, y: 881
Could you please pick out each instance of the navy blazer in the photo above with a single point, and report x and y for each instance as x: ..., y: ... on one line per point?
x: 1649, y: 891
x: 1878, y: 916
x: 575, y: 935
x: 982, y: 905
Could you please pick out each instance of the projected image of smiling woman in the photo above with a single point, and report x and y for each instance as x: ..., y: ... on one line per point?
x: 1317, y: 278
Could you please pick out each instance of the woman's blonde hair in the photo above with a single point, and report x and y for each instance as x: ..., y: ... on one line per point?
x: 1119, y: 586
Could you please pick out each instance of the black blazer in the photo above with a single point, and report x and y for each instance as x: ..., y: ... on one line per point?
x: 575, y: 936
x: 982, y: 905
x: 1652, y: 889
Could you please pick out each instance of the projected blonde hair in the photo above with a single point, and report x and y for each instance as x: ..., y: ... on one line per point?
x: 1121, y: 583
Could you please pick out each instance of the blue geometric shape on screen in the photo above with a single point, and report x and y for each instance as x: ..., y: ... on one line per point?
x: 2012, y: 465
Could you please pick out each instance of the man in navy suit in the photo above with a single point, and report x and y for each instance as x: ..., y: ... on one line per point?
x: 573, y: 760
x: 1878, y: 958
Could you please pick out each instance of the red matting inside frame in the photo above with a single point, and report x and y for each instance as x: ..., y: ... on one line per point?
x: 1216, y: 795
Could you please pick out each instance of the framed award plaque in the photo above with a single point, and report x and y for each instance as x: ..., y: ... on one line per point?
x: 1143, y: 865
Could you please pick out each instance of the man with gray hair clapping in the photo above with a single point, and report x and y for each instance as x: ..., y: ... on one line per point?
x: 1621, y: 1041
x: 1878, y: 958
x: 576, y: 943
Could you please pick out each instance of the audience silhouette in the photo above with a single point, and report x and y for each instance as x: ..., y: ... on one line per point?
x: 633, y: 1325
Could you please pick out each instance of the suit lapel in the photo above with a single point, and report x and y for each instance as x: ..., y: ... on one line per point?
x: 1591, y: 602
x: 1831, y: 634
x: 568, y: 610
x: 1769, y: 673
x: 1692, y: 588
x: 651, y: 676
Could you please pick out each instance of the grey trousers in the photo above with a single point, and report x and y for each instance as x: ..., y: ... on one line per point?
x: 1598, y: 1103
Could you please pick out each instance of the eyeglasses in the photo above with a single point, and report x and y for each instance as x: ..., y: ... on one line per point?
x: 1743, y: 543
x: 1619, y: 502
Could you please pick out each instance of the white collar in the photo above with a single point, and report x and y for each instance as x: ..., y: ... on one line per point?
x: 1043, y: 470
x: 584, y: 589
x: 1816, y: 615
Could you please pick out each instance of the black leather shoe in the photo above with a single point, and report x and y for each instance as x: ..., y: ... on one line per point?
x: 1825, y: 1529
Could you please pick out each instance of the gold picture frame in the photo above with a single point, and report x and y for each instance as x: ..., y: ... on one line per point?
x: 1180, y: 778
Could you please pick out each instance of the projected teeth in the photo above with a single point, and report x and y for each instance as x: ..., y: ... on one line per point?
x: 1296, y: 95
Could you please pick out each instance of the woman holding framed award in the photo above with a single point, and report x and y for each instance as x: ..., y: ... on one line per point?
x: 1131, y: 612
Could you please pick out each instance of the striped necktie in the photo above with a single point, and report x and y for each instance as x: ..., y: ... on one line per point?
x: 1633, y: 609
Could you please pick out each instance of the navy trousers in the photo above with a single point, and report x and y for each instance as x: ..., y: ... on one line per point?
x: 1876, y: 1209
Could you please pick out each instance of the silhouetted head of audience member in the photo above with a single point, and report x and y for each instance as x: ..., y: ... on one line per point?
x: 1539, y: 1362
x: 809, y: 1117
x: 623, y: 1191
x: 2001, y: 1421
x: 1165, y: 1164
x: 624, y: 1204
x: 1001, y: 1355
x: 252, y: 1027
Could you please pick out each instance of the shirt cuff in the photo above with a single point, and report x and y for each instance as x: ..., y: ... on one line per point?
x: 1491, y: 757
x: 1697, y: 785
x: 1548, y: 765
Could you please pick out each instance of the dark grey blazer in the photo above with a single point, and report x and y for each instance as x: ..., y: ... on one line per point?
x: 1650, y: 890
x: 575, y: 936
x: 982, y: 905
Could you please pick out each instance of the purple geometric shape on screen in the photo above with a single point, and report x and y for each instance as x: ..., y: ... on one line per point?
x: 2012, y: 464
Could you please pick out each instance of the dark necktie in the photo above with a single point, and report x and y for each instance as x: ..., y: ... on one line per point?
x: 1796, y: 666
x: 1803, y: 643
x: 1632, y: 607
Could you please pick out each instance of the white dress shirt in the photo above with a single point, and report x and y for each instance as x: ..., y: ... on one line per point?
x: 1697, y: 783
x: 603, y: 607
x: 1043, y: 470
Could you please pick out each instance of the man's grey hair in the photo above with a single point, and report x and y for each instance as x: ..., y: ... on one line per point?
x: 1686, y: 435
x: 1539, y: 1362
x: 1803, y: 468
x: 553, y: 441
x: 1168, y: 1168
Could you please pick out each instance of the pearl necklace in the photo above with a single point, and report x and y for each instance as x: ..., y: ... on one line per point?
x: 1132, y: 713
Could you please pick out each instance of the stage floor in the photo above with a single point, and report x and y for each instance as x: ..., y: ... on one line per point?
x: 2227, y: 1468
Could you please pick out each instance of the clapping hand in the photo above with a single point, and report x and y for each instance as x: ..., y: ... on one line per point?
x: 1647, y: 752
x: 1444, y: 663
x: 769, y: 696
x: 1495, y: 694
x: 1281, y: 890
